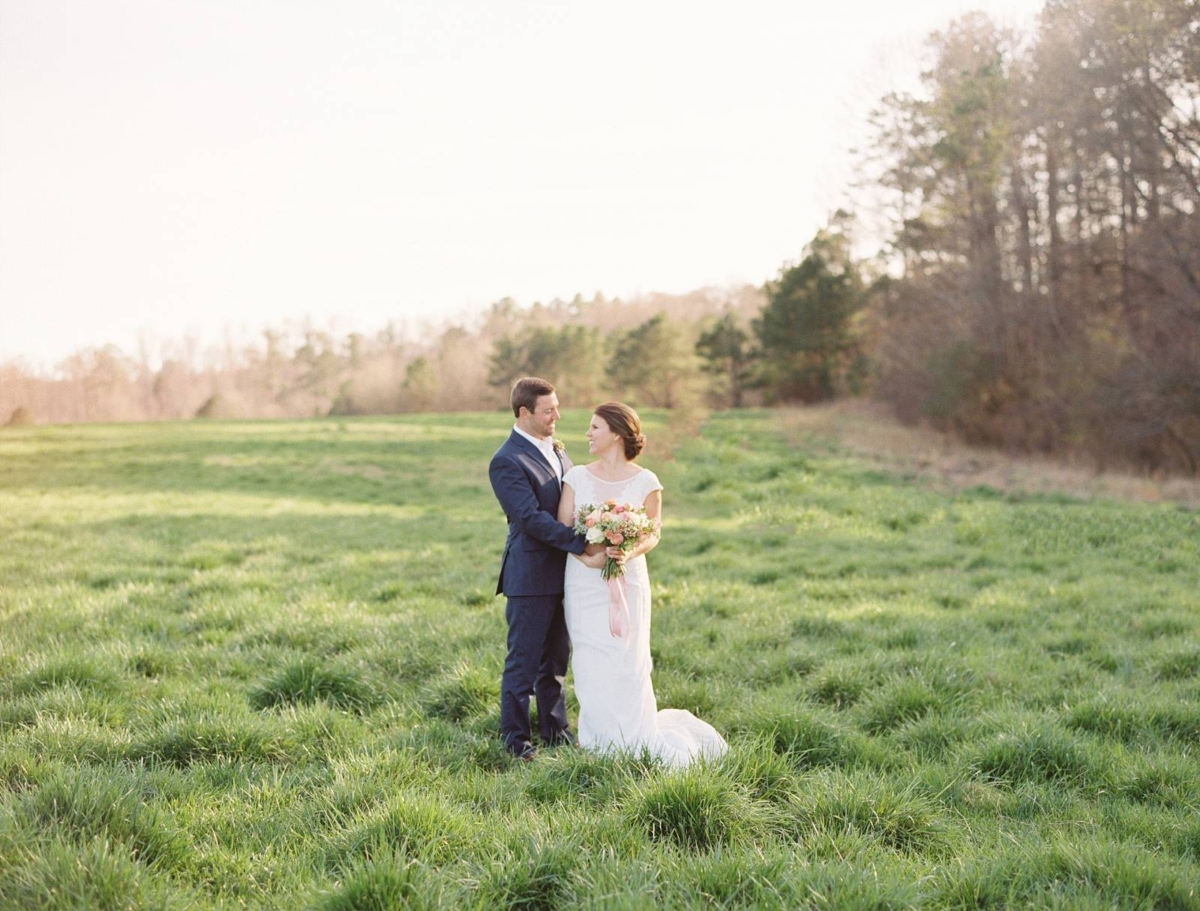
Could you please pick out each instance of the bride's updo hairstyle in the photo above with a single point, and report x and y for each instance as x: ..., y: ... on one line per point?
x: 624, y: 422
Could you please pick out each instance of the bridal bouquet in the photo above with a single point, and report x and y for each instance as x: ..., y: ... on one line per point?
x: 617, y: 525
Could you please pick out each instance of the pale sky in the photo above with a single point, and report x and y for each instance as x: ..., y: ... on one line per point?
x: 175, y: 166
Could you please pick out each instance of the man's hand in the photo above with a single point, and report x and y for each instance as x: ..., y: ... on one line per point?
x: 592, y: 549
x: 595, y: 561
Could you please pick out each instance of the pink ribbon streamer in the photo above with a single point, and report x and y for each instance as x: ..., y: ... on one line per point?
x: 618, y: 609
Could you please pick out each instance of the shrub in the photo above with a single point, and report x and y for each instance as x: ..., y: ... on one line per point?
x: 21, y: 417
x: 220, y: 407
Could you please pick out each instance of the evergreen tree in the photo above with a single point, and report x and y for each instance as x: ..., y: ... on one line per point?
x: 804, y: 331
x: 572, y: 357
x: 420, y: 385
x: 725, y: 349
x: 656, y: 364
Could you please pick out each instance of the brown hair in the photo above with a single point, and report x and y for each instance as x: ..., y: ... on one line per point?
x: 624, y: 422
x: 526, y: 391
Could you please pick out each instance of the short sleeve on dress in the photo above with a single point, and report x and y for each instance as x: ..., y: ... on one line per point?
x: 572, y: 476
x: 650, y: 483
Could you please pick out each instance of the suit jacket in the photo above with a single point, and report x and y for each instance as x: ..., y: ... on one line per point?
x: 535, y: 553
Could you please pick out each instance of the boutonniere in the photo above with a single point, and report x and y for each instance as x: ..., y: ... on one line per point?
x: 559, y: 447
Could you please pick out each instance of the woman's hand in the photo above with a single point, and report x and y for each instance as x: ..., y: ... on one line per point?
x: 617, y: 555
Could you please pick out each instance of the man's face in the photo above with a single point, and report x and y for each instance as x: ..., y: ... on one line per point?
x: 540, y: 422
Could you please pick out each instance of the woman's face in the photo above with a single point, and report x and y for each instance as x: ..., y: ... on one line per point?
x: 600, y: 437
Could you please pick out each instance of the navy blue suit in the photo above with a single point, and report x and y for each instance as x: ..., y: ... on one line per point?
x: 531, y: 579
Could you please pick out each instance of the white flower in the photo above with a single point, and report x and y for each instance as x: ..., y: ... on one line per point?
x: 595, y: 535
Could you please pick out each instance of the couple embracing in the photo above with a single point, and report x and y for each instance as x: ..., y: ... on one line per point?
x: 558, y: 600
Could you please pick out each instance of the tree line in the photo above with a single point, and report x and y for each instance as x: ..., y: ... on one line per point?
x: 643, y: 348
x: 1043, y: 192
x: 1038, y: 286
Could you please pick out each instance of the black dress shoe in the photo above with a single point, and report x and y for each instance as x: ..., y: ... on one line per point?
x: 523, y: 751
x: 562, y: 739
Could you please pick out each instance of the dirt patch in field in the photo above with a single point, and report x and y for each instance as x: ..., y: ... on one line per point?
x: 872, y: 433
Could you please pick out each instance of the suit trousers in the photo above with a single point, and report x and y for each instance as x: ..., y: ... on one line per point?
x: 538, y: 652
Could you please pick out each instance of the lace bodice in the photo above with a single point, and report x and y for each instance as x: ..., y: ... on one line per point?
x: 591, y: 489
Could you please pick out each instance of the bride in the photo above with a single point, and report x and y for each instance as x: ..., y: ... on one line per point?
x: 617, y: 708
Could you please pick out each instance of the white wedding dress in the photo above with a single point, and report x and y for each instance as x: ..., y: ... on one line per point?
x: 617, y: 708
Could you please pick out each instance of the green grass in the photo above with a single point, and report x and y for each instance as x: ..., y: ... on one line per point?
x: 257, y: 665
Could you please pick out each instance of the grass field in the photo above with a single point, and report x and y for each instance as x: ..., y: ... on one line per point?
x: 257, y: 665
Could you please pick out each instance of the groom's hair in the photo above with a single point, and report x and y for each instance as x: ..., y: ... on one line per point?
x: 526, y: 391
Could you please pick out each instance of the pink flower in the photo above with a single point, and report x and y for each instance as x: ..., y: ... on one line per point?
x: 615, y: 538
x: 589, y: 521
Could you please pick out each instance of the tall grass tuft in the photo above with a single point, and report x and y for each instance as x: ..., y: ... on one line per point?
x: 839, y: 686
x: 830, y: 805
x: 532, y: 876
x: 1179, y: 664
x: 1106, y: 874
x: 571, y: 775
x: 1168, y: 781
x: 764, y: 773
x: 412, y: 825
x: 697, y: 809
x: 466, y: 691
x: 975, y: 883
x: 81, y: 672
x: 906, y: 700
x: 209, y: 736
x: 728, y: 881
x: 308, y: 680
x: 62, y: 875
x: 853, y: 886
x: 1040, y: 755
x: 389, y: 884
x: 1132, y: 721
x: 1185, y: 841
x: 812, y: 739
x: 109, y: 805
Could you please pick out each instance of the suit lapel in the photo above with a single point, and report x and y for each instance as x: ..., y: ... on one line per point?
x: 528, y: 448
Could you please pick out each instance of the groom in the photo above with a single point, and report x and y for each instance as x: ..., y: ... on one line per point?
x: 526, y: 474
